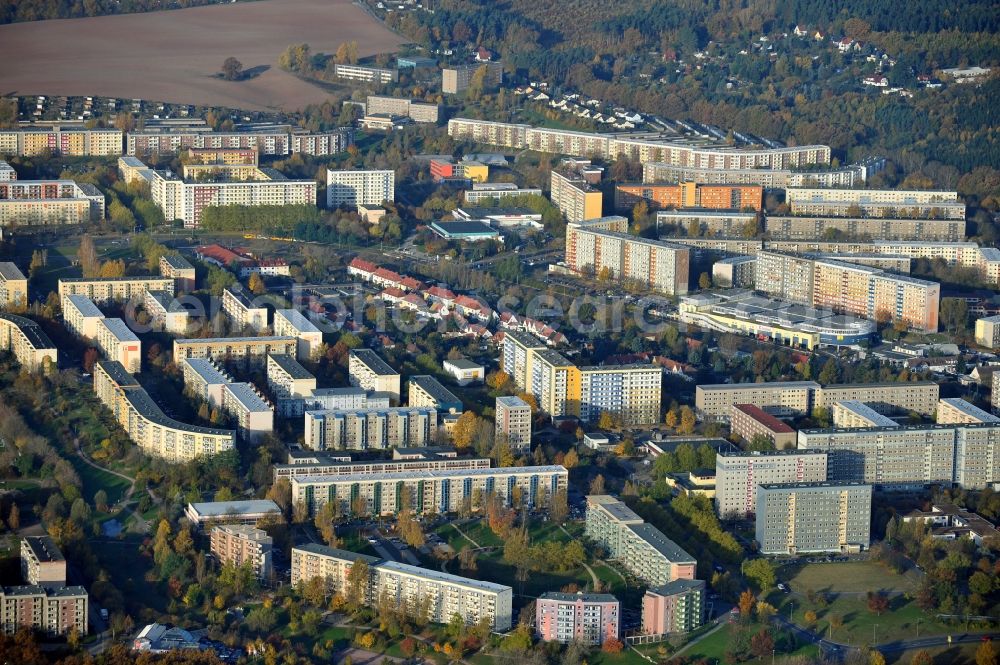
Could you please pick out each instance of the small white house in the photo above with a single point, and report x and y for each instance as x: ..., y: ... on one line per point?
x: 465, y: 371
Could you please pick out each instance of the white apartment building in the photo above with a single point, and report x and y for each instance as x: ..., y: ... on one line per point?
x: 293, y: 323
x: 13, y: 286
x: 356, y: 187
x: 802, y: 517
x: 81, y: 316
x: 367, y: 428
x: 513, y: 422
x: 167, y: 312
x: 204, y: 380
x: 954, y: 411
x: 367, y: 370
x: 875, y: 202
x: 289, y: 382
x: 238, y: 304
x: 851, y: 413
x: 116, y: 342
x: 737, y: 475
x: 107, y: 289
x: 253, y: 415
x: 246, y: 352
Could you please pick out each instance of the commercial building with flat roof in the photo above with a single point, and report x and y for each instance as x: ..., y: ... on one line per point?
x: 232, y: 512
x: 748, y: 421
x: 853, y: 413
x: 405, y: 585
x: 513, y: 422
x: 465, y: 371
x: 240, y: 544
x: 424, y: 390
x: 13, y: 286
x: 587, y: 618
x: 367, y: 370
x: 117, y: 342
x: 794, y: 518
x: 41, y: 561
x: 675, y: 607
x: 738, y: 473
x: 954, y: 410
x: 443, y: 491
x: 245, y: 352
x: 26, y: 340
x: 364, y: 429
x: 465, y: 231
x: 910, y: 456
x: 640, y: 547
x: 145, y: 423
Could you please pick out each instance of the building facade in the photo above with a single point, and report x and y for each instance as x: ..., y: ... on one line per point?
x: 988, y: 332
x: 242, y: 544
x: 748, y: 421
x: 795, y: 518
x: 676, y: 607
x: 576, y: 199
x: 588, y: 618
x: 61, y: 141
x: 41, y: 561
x: 114, y: 289
x: 117, y: 342
x: 28, y: 342
x: 49, y: 203
x: 739, y: 473
x: 50, y: 610
x: 367, y: 370
x: 13, y: 286
x: 293, y: 323
x: 244, y: 352
x: 370, y: 428
x: 689, y: 195
x: 353, y: 188
x: 513, y: 422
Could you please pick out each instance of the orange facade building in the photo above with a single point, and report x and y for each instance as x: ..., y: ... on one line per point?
x: 690, y: 195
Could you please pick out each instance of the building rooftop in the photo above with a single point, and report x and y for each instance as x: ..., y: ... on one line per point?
x: 428, y: 475
x: 297, y: 319
x: 736, y: 452
x: 783, y: 385
x: 177, y: 262
x: 677, y: 586
x: 135, y: 278
x: 970, y: 409
x: 464, y: 363
x: 702, y: 212
x: 235, y: 340
x: 206, y: 370
x: 9, y: 271
x: 438, y: 576
x: 615, y: 508
x: 48, y: 591
x: 290, y: 366
x: 223, y: 508
x: 373, y: 362
x: 463, y: 228
x: 43, y: 548
x: 248, y: 398
x: 245, y: 531
x: 433, y: 387
x: 812, y: 485
x: 764, y: 418
x: 85, y: 306
x: 119, y: 329
x: 512, y: 401
x: 862, y: 410
x: 579, y: 596
x: 243, y: 296
x: 140, y: 400
x: 323, y: 550
x: 655, y: 538
x: 553, y: 358
x: 118, y: 373
x: 31, y: 330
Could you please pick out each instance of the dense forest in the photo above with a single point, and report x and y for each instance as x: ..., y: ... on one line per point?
x: 15, y: 11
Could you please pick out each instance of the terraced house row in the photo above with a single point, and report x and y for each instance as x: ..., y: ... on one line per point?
x: 411, y: 588
x: 430, y: 491
x: 153, y: 431
x: 641, y: 148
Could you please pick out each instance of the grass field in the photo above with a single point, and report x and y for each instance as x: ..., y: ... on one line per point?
x: 174, y: 56
x: 849, y: 577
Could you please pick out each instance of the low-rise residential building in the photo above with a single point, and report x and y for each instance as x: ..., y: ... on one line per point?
x: 587, y: 618
x: 250, y: 512
x: 794, y: 518
x: 41, y: 561
x: 204, y: 380
x: 954, y: 410
x: 242, y: 544
x: 243, y: 312
x: 179, y: 269
x: 117, y: 342
x: 748, y: 421
x: 445, y: 491
x: 640, y: 547
x: 367, y: 370
x: 358, y: 187
x: 738, y: 474
x: 370, y: 428
x: 988, y: 332
x: 113, y: 289
x: 253, y: 416
x: 675, y: 607
x: 851, y: 413
x: 465, y: 371
x: 513, y: 422
x: 145, y: 423
x: 52, y: 610
x: 424, y: 390
x: 949, y: 522
x: 81, y: 316
x: 13, y: 286
x: 293, y: 323
x: 406, y: 585
x: 244, y: 352
x: 26, y: 340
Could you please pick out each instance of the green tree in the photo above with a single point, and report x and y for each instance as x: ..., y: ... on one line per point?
x: 704, y: 281
x: 761, y: 573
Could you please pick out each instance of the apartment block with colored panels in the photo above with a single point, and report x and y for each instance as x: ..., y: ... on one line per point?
x: 738, y: 473
x: 230, y: 156
x: 588, y: 618
x: 675, y: 607
x: 576, y: 198
x: 748, y: 421
x: 690, y: 195
x: 49, y: 203
x: 62, y: 141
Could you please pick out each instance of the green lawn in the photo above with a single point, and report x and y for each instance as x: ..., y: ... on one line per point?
x: 958, y: 654
x: 95, y: 479
x: 850, y: 577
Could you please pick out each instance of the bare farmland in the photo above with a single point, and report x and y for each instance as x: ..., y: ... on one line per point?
x: 173, y: 56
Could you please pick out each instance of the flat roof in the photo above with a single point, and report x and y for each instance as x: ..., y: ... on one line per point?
x: 49, y: 591
x: 573, y: 597
x: 290, y: 366
x: 298, y: 320
x: 553, y: 358
x: 614, y: 507
x: 144, y: 404
x: 43, y: 548
x: 136, y: 278
x: 247, y: 397
x: 223, y: 508
x: 677, y: 586
x: 429, y: 475
x: 373, y: 362
x: 512, y: 401
x: 783, y: 385
x: 898, y: 428
x: 764, y: 418
x: 85, y: 306
x: 31, y: 330
x: 730, y: 452
x: 9, y: 271
x: 118, y: 373
x: 464, y: 228
x: 862, y: 410
x: 230, y: 340
x: 812, y: 485
x: 464, y: 363
x: 433, y: 387
x: 438, y: 576
x: 206, y: 370
x: 523, y: 338
x: 970, y: 409
x: 120, y: 330
x: 655, y: 538
x: 333, y: 413
x: 323, y: 550
x: 243, y: 297
x: 177, y: 262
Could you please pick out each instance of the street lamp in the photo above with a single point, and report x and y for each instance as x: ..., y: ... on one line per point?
x: 874, y: 626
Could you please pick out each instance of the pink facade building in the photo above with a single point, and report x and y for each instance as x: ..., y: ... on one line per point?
x: 591, y: 618
x: 677, y: 607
